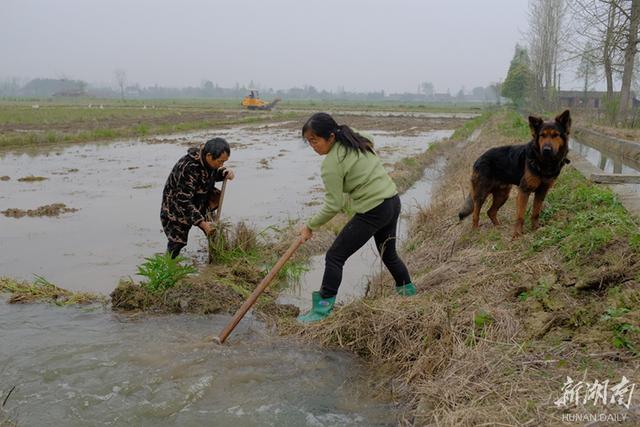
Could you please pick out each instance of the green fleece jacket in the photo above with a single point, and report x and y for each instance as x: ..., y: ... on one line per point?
x: 361, y: 176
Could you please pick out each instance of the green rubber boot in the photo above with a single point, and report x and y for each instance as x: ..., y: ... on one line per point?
x: 407, y: 290
x: 320, y: 309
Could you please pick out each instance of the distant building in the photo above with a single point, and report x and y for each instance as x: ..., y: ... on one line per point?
x: 133, y: 91
x: 53, y: 87
x: 70, y: 93
x: 442, y: 97
x: 587, y: 100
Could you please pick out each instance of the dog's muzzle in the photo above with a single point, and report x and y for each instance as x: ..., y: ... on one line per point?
x: 547, y: 151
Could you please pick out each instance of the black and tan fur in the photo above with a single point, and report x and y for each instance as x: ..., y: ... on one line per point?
x: 533, y: 167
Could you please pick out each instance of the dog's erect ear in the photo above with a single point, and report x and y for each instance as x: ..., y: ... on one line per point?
x: 535, y: 123
x: 564, y: 120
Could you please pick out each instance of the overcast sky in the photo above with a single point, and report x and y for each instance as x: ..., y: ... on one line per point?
x: 356, y: 44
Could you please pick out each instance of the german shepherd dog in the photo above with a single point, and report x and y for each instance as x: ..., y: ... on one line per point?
x: 533, y: 167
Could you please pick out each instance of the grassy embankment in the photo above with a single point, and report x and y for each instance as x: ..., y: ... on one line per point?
x: 498, y: 324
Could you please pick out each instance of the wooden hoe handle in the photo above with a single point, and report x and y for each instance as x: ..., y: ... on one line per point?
x: 257, y: 292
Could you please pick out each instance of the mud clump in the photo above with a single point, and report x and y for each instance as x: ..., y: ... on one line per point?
x: 240, y: 258
x: 41, y: 290
x: 5, y: 178
x: 66, y: 171
x: 185, y: 297
x: 264, y: 164
x: 196, y: 296
x: 32, y: 178
x: 54, y: 209
x: 275, y: 310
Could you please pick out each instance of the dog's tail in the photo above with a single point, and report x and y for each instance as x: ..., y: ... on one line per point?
x: 467, y: 208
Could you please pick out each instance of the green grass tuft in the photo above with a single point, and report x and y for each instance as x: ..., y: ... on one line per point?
x: 163, y: 272
x: 515, y: 126
x: 467, y: 129
x: 582, y: 218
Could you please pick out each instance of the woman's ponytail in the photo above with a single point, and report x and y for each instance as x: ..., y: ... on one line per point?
x: 323, y: 125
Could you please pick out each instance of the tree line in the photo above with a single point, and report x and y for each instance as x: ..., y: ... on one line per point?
x: 123, y: 89
x: 596, y: 40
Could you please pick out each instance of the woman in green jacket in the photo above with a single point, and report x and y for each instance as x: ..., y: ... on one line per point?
x: 351, y: 167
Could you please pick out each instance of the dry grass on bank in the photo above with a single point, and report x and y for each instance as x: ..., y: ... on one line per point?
x: 498, y: 324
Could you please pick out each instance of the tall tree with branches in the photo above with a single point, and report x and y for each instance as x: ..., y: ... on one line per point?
x: 629, y: 57
x: 587, y: 69
x: 121, y: 80
x: 599, y: 33
x: 546, y: 35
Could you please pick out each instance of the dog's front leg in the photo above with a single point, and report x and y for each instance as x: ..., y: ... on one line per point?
x: 521, y: 207
x: 540, y: 194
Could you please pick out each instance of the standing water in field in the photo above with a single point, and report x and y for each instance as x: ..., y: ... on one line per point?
x: 94, y: 367
x: 117, y: 189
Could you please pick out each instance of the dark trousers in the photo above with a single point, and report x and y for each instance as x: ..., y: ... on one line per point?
x: 380, y: 222
x: 174, y: 248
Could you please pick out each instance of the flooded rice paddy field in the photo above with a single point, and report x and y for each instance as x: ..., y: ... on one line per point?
x: 89, y: 366
x: 117, y: 187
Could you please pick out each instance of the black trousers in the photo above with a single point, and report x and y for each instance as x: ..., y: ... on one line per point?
x: 174, y: 248
x: 380, y: 222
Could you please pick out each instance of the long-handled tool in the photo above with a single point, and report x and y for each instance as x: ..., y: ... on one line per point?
x: 222, y: 190
x: 211, y: 238
x: 257, y: 292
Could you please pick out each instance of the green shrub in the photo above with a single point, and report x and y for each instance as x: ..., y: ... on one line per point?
x: 163, y: 272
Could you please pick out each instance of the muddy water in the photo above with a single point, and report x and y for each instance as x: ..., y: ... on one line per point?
x: 77, y: 367
x: 606, y: 161
x: 117, y: 188
x: 92, y: 367
x: 417, y: 114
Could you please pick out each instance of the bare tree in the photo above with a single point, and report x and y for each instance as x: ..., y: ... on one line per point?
x: 587, y: 69
x: 611, y: 28
x: 427, y: 89
x: 10, y: 86
x: 121, y: 80
x: 629, y: 57
x: 497, y: 89
x: 547, y: 34
x: 599, y: 33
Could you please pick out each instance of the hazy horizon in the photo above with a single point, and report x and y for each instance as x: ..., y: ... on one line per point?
x: 358, y: 45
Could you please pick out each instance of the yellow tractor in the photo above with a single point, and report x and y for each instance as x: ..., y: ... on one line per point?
x: 253, y: 101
